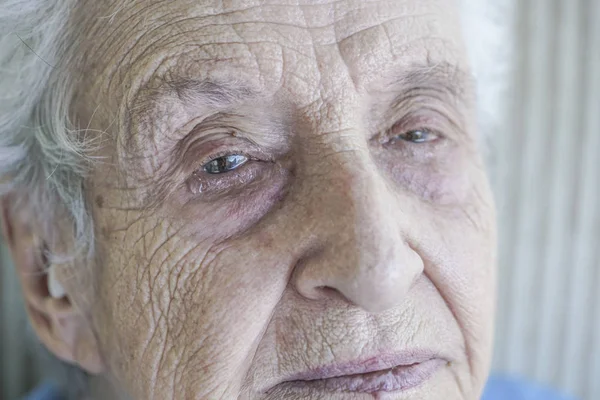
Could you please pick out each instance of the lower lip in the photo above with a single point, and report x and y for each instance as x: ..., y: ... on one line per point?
x: 397, y: 379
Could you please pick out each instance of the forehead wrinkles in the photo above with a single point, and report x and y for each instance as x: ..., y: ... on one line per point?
x: 135, y: 40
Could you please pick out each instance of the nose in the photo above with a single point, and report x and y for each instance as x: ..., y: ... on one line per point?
x: 362, y: 231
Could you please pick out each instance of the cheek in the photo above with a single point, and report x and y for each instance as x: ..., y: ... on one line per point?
x: 461, y: 263
x: 218, y: 218
x: 181, y: 310
x: 438, y: 176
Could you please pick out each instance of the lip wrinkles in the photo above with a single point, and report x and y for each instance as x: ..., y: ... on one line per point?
x: 383, y: 373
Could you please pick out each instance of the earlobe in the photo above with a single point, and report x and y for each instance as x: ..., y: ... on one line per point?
x: 66, y: 333
x: 70, y: 337
x: 61, y: 327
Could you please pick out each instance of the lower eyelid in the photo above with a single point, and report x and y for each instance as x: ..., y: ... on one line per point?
x: 201, y: 182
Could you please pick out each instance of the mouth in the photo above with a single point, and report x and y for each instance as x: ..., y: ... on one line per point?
x: 375, y: 375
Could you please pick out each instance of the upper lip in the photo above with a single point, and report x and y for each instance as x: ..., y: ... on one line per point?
x: 381, y: 362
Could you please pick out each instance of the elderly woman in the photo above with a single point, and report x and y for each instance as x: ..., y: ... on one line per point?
x: 249, y: 199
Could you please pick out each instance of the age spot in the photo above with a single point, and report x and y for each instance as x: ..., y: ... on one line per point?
x: 99, y: 201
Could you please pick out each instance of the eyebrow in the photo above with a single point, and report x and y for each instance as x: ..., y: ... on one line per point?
x: 442, y: 79
x: 445, y: 78
x: 209, y: 93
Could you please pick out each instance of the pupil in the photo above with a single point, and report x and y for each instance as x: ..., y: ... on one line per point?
x: 224, y: 164
x: 417, y: 136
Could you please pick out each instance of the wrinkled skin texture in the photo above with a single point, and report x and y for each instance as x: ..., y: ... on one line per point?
x: 338, y: 241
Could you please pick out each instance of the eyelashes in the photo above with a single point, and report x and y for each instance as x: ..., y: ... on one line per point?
x: 418, y: 136
x: 225, y: 164
x: 419, y: 128
x: 232, y: 163
x: 208, y: 183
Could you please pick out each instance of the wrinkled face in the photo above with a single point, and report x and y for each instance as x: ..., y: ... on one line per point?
x: 291, y: 204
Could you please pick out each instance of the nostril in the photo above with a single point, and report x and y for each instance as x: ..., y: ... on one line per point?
x: 328, y: 291
x: 331, y: 293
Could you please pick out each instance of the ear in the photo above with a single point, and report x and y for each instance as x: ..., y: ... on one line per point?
x: 61, y: 327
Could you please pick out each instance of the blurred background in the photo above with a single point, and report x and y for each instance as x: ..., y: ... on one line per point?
x: 545, y: 169
x: 546, y: 175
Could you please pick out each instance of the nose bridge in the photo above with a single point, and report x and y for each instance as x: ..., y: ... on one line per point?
x: 359, y: 203
x: 365, y: 256
x: 366, y: 228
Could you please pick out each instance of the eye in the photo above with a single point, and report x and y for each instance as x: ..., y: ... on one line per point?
x: 225, y: 164
x: 418, y: 136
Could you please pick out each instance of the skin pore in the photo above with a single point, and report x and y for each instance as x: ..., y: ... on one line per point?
x: 358, y: 223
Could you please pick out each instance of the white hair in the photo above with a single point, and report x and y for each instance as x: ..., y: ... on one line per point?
x: 488, y: 28
x: 41, y: 157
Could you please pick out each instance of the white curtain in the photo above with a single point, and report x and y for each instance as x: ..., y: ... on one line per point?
x: 547, y: 182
